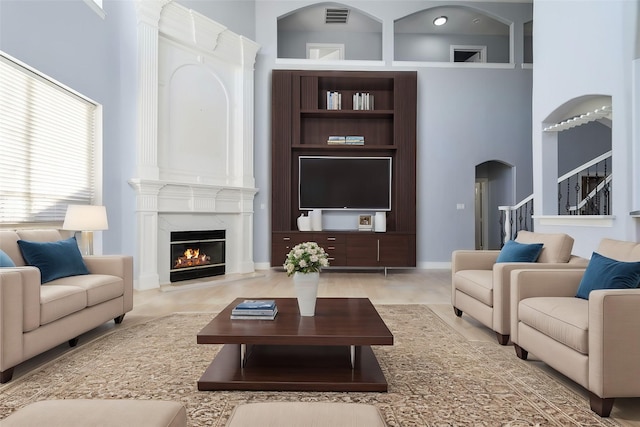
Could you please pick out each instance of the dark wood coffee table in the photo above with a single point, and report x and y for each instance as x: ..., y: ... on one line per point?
x: 328, y: 352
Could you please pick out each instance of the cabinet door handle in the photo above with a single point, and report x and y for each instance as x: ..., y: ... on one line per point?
x: 331, y: 239
x: 330, y: 248
x: 286, y: 239
x: 378, y: 250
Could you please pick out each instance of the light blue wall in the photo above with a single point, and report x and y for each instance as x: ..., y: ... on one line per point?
x: 436, y: 48
x: 69, y: 42
x: 583, y: 143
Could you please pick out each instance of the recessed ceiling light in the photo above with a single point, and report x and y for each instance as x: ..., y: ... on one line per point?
x: 440, y: 20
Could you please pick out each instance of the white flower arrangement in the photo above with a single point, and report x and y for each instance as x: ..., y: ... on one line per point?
x: 307, y: 257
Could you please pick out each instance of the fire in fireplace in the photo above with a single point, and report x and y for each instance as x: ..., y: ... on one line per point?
x: 197, y: 254
x: 191, y: 258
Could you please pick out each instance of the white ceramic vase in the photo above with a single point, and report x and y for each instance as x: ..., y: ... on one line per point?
x: 306, y: 285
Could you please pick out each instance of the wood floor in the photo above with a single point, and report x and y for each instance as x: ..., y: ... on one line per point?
x: 414, y: 286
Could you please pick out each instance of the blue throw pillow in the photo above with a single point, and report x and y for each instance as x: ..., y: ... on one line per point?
x: 513, y: 251
x: 5, y: 261
x: 54, y: 259
x: 607, y: 273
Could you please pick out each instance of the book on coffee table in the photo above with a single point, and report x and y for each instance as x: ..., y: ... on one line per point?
x: 254, y: 314
x: 255, y: 309
x: 256, y: 304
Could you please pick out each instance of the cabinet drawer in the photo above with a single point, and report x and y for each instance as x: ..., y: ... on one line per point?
x: 324, y: 239
x: 337, y: 253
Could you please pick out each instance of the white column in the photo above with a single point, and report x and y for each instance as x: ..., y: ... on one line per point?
x: 147, y: 233
x: 148, y: 14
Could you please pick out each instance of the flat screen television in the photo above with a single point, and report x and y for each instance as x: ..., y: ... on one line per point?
x: 344, y: 183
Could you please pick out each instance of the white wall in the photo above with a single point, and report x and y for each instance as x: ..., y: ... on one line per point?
x: 587, y: 58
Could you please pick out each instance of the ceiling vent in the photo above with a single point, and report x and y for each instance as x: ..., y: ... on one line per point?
x: 336, y: 16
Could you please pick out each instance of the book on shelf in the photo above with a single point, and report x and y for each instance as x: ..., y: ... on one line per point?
x: 250, y: 315
x: 354, y: 140
x: 362, y: 101
x: 335, y: 140
x: 334, y: 100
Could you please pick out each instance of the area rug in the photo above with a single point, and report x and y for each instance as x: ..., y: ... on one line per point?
x: 436, y: 377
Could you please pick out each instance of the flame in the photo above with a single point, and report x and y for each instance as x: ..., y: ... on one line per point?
x: 191, y: 258
x: 190, y: 253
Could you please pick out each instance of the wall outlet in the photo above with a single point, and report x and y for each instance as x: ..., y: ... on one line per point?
x: 460, y: 206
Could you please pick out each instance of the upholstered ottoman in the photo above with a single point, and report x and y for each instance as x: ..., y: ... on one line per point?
x: 309, y: 414
x: 104, y: 413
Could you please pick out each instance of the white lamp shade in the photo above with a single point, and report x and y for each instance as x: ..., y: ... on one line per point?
x: 85, y: 218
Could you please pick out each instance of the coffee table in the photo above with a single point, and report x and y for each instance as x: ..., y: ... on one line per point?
x: 330, y: 351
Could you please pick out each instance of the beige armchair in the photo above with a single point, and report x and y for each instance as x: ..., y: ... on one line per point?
x: 595, y: 342
x: 480, y: 287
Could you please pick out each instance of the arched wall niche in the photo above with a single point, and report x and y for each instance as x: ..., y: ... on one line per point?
x: 577, y: 148
x: 417, y: 38
x: 577, y: 106
x: 361, y: 34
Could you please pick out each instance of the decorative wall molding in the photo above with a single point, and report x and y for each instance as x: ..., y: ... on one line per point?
x: 192, y: 174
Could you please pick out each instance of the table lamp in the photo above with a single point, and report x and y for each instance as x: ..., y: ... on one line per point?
x: 86, y: 219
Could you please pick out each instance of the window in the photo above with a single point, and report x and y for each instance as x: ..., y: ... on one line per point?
x: 47, y: 141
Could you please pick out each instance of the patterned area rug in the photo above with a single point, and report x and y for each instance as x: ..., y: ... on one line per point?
x: 436, y: 377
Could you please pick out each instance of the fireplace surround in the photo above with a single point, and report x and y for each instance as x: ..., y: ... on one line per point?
x: 194, y: 142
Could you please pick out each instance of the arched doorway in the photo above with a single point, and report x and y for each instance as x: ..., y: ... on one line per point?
x: 493, y: 188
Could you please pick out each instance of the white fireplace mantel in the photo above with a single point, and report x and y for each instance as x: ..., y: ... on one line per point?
x: 194, y: 141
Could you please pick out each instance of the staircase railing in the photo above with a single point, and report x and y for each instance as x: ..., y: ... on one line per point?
x: 515, y: 218
x: 585, y: 190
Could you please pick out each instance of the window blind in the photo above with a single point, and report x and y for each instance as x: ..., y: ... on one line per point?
x: 47, y: 140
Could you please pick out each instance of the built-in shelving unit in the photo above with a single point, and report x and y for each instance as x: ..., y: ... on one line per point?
x: 301, y: 126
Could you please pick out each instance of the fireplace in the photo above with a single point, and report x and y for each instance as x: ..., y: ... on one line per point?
x: 196, y: 254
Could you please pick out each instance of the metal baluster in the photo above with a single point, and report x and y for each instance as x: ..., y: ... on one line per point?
x: 559, y: 198
x: 514, y: 233
x: 596, y: 199
x: 520, y: 218
x: 577, y: 188
x: 567, y: 205
x: 605, y: 189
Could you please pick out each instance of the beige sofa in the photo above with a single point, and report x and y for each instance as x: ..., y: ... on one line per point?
x: 480, y: 287
x: 595, y: 342
x: 36, y: 317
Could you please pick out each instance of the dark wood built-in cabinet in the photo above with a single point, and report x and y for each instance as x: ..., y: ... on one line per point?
x: 301, y: 125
